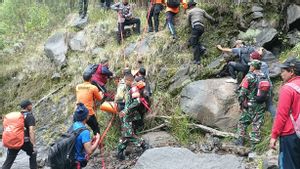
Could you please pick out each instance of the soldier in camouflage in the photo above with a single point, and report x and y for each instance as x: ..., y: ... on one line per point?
x: 127, y: 115
x: 252, y: 111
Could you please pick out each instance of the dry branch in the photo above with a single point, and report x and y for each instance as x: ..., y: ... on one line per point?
x: 48, y: 95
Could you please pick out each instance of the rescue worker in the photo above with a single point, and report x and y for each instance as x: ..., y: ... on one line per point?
x: 196, y: 17
x: 127, y: 115
x: 243, y: 53
x: 125, y: 17
x: 252, y: 111
x: 102, y: 74
x: 287, y: 118
x: 87, y: 94
x: 121, y: 90
x: 156, y: 6
x: 83, y: 7
x: 170, y: 14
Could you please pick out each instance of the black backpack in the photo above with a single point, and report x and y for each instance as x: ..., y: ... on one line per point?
x: 90, y: 69
x: 61, y: 154
x: 263, y: 88
x: 173, y: 3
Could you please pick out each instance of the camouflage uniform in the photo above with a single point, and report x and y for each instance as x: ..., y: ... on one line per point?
x: 130, y: 110
x: 252, y: 112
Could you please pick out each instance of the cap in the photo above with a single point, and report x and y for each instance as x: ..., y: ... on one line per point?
x: 81, y: 112
x: 25, y: 103
x: 238, y: 42
x: 255, y: 55
x: 255, y: 63
x: 103, y: 60
x: 290, y: 62
x: 191, y: 3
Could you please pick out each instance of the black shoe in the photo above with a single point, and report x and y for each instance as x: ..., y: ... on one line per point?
x: 120, y: 155
x: 145, y: 146
x: 150, y: 30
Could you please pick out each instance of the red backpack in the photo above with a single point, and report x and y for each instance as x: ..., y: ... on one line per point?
x: 263, y: 88
x: 13, y: 132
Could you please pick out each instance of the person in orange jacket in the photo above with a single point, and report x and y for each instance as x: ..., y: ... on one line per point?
x: 172, y: 9
x: 156, y: 6
x: 87, y: 93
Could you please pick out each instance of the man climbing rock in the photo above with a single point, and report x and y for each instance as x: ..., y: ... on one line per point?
x: 196, y: 17
x: 84, y: 145
x: 127, y: 115
x: 171, y: 11
x: 102, y: 74
x: 87, y: 94
x: 29, y: 145
x: 83, y: 7
x: 252, y: 110
x: 287, y: 117
x: 156, y: 6
x: 243, y: 53
x: 125, y: 17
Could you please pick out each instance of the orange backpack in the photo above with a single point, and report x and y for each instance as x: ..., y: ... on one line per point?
x: 13, y: 133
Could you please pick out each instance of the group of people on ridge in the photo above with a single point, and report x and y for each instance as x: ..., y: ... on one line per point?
x: 195, y: 20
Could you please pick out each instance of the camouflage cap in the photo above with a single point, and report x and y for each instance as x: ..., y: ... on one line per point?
x: 255, y: 63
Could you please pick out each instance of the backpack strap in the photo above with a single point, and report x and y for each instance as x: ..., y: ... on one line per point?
x: 76, y: 132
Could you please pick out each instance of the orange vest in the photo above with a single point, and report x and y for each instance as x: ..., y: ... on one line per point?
x: 86, y: 93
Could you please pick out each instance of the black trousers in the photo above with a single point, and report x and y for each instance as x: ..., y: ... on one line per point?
x: 94, y: 125
x: 289, y: 157
x: 107, y: 2
x: 154, y: 13
x: 12, y: 154
x: 235, y: 66
x: 198, y: 49
x: 83, y: 7
x: 131, y: 21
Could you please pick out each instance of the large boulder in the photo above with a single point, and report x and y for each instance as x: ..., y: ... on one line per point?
x: 227, y: 161
x: 180, y: 79
x: 159, y: 139
x: 293, y: 15
x: 79, y: 23
x: 212, y: 102
x: 56, y: 48
x: 168, y: 158
x: 78, y: 42
x: 266, y: 36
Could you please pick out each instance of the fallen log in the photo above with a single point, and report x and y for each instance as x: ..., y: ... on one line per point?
x: 204, y: 128
x: 48, y: 95
x: 155, y: 128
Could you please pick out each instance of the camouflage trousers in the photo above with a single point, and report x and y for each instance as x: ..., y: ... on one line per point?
x: 254, y: 115
x: 128, y: 134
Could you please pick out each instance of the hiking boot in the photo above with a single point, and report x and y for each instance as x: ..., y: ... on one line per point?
x: 121, y: 155
x: 231, y: 80
x: 239, y: 142
x: 145, y: 146
x: 150, y: 30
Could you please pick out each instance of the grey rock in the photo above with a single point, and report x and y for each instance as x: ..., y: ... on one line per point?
x: 96, y: 51
x: 18, y: 47
x: 266, y: 36
x: 256, y: 8
x: 167, y: 158
x: 293, y: 14
x: 215, y: 161
x: 80, y: 23
x: 56, y: 76
x: 216, y: 63
x: 294, y: 37
x: 129, y: 50
x: 257, y: 15
x: 212, y: 102
x: 56, y: 48
x: 78, y: 42
x: 180, y: 79
x: 273, y: 63
x: 159, y: 139
x: 252, y: 156
x: 262, y: 24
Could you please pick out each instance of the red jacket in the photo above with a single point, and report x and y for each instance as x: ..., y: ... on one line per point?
x: 99, y: 77
x: 289, y: 99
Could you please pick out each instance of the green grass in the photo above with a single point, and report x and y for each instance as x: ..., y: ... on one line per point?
x: 179, y: 126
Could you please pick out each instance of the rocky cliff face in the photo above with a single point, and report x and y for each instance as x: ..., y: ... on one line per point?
x: 49, y: 72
